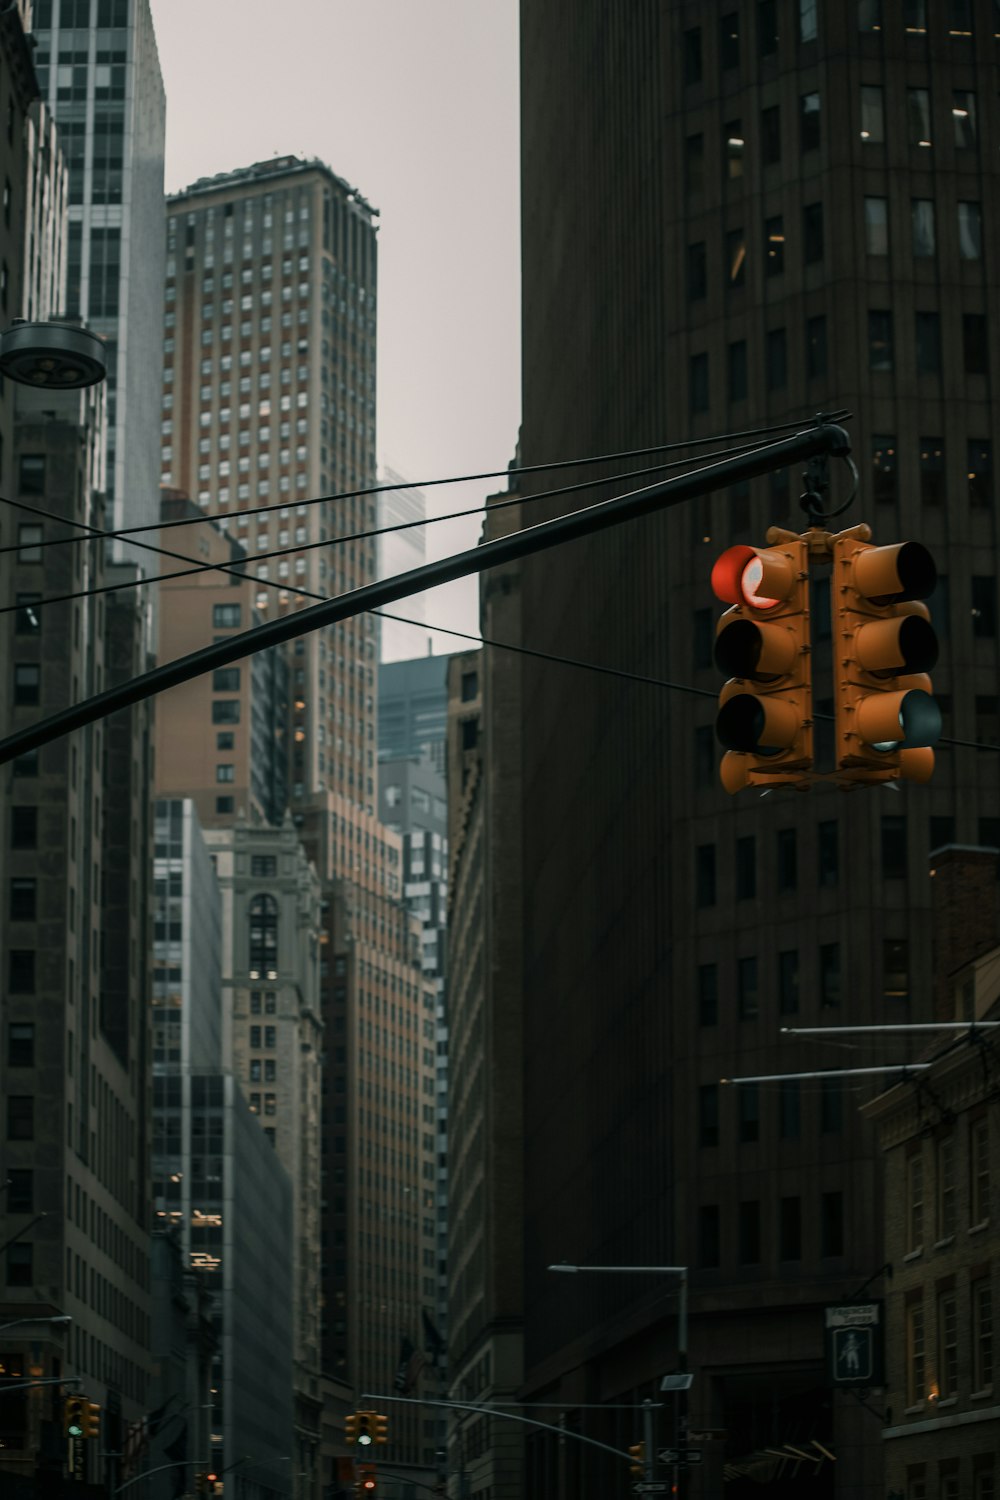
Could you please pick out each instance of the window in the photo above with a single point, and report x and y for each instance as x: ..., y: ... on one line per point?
x: 263, y: 866
x: 776, y: 350
x: 708, y: 1235
x: 928, y: 336
x: 788, y: 982
x: 975, y: 344
x: 31, y: 476
x: 20, y: 1045
x: 20, y: 1117
x: 987, y: 719
x: 893, y: 847
x: 946, y: 1196
x: 984, y: 606
x: 255, y: 1070
x: 225, y: 804
x: 831, y: 1106
x: 704, y: 637
x: 699, y: 383
x: 959, y: 17
x: 748, y: 1096
x: 981, y: 1300
x: 225, y: 616
x: 28, y: 621
x: 947, y: 1348
x: 226, y: 772
x: 22, y: 899
x: 736, y: 257
x: 790, y: 1229
x: 815, y: 347
x: 692, y: 55
x: 20, y: 1190
x: 469, y: 686
x: 708, y: 995
x: 808, y: 20
x: 872, y: 114
x: 708, y: 1114
x: 880, y: 339
x: 749, y: 1233
x: 877, y: 226
x: 705, y: 875
x: 914, y: 1353
x: 770, y: 135
x: 828, y: 852
x: 931, y: 471
x: 694, y: 163
x: 963, y: 112
x: 21, y: 971
x: 809, y: 122
x: 915, y: 1202
x: 746, y: 983
x: 970, y: 231
x: 788, y: 859
x: 829, y: 974
x: 918, y: 116
x: 263, y: 918
x: 789, y: 1109
x: 20, y: 1263
x: 225, y: 711
x: 738, y: 370
x: 697, y: 272
x: 24, y: 827
x: 28, y: 538
x: 767, y: 27
x: 884, y: 470
x: 895, y: 968
x: 735, y: 147
x: 704, y: 755
x: 979, y: 466
x: 729, y: 41
x: 915, y: 17
x: 226, y: 680
x: 869, y: 15
x: 922, y: 224
x: 812, y: 233
x: 774, y: 244
x: 979, y: 1171
x: 27, y: 684
x: 831, y: 1224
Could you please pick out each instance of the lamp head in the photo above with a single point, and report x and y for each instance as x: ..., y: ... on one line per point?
x: 55, y: 356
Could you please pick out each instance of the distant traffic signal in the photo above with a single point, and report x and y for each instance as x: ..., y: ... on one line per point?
x: 762, y: 645
x: 365, y: 1428
x: 637, y: 1452
x: 351, y: 1428
x: 75, y: 1415
x: 92, y: 1420
x: 884, y: 646
x: 365, y: 1482
x: 381, y: 1428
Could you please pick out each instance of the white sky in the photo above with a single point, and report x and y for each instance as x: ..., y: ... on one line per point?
x: 414, y: 102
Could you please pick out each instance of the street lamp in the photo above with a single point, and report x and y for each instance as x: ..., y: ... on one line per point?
x: 681, y: 1382
x: 56, y: 1318
x: 55, y: 356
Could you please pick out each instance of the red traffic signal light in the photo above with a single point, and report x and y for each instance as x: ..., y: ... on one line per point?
x: 366, y: 1482
x: 762, y: 644
x: 884, y: 646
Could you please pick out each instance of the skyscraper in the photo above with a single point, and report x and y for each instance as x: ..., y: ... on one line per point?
x: 735, y: 215
x: 269, y: 400
x: 98, y: 68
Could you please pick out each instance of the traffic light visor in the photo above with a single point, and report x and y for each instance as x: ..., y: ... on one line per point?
x: 761, y: 579
x: 766, y: 726
x: 891, y: 721
x: 891, y: 575
x: 745, y: 649
x: 904, y: 644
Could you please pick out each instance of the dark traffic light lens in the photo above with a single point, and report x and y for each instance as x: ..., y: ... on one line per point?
x: 741, y: 723
x: 920, y: 718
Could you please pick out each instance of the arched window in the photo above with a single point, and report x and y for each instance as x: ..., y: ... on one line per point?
x: 263, y: 938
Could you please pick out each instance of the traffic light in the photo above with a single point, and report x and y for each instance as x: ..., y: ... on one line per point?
x: 762, y: 644
x: 351, y: 1428
x: 884, y: 646
x: 92, y: 1420
x: 637, y: 1453
x: 365, y: 1428
x: 381, y: 1428
x: 366, y: 1483
x: 75, y: 1416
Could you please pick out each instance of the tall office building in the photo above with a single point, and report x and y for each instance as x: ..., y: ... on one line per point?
x: 413, y: 709
x: 735, y: 214
x: 399, y: 551
x: 269, y: 400
x: 99, y: 71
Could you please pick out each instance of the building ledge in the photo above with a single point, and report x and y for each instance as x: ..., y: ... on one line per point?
x: 936, y: 1424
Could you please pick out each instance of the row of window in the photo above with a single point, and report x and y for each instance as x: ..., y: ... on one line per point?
x: 963, y: 1343
x: 934, y: 1218
x: 786, y: 1098
x: 895, y: 981
x: 789, y: 1240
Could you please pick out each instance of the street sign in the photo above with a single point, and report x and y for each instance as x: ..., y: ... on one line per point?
x: 679, y: 1456
x: 651, y: 1487
x: 854, y: 1334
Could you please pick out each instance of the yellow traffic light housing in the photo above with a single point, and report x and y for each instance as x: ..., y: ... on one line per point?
x: 365, y: 1428
x: 762, y: 644
x: 92, y: 1420
x: 75, y: 1414
x: 381, y: 1428
x: 884, y: 647
x: 637, y: 1454
x: 351, y: 1428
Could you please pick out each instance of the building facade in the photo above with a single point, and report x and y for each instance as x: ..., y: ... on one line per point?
x: 413, y: 709
x: 99, y: 72
x: 269, y: 401
x: 733, y: 216
x: 399, y: 551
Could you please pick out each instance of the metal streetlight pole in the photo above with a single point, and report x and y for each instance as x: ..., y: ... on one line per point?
x: 57, y: 1318
x: 683, y: 1379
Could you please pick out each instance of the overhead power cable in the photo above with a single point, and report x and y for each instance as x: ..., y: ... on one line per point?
x: 424, y: 484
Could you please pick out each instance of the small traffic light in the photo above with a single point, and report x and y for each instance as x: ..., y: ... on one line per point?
x: 884, y: 646
x: 637, y: 1452
x: 381, y: 1428
x: 75, y: 1416
x: 351, y: 1428
x: 365, y: 1428
x: 366, y: 1482
x: 762, y: 644
x: 92, y: 1420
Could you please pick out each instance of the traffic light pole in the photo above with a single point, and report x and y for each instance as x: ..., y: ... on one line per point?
x: 823, y: 437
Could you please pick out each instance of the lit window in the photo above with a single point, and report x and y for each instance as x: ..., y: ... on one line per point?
x: 872, y: 113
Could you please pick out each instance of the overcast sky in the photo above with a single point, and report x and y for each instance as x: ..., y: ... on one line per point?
x: 414, y: 102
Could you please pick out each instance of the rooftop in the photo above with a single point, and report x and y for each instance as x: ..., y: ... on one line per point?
x: 262, y: 171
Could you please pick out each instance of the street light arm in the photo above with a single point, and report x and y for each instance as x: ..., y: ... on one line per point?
x: 508, y: 1416
x: 824, y: 437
